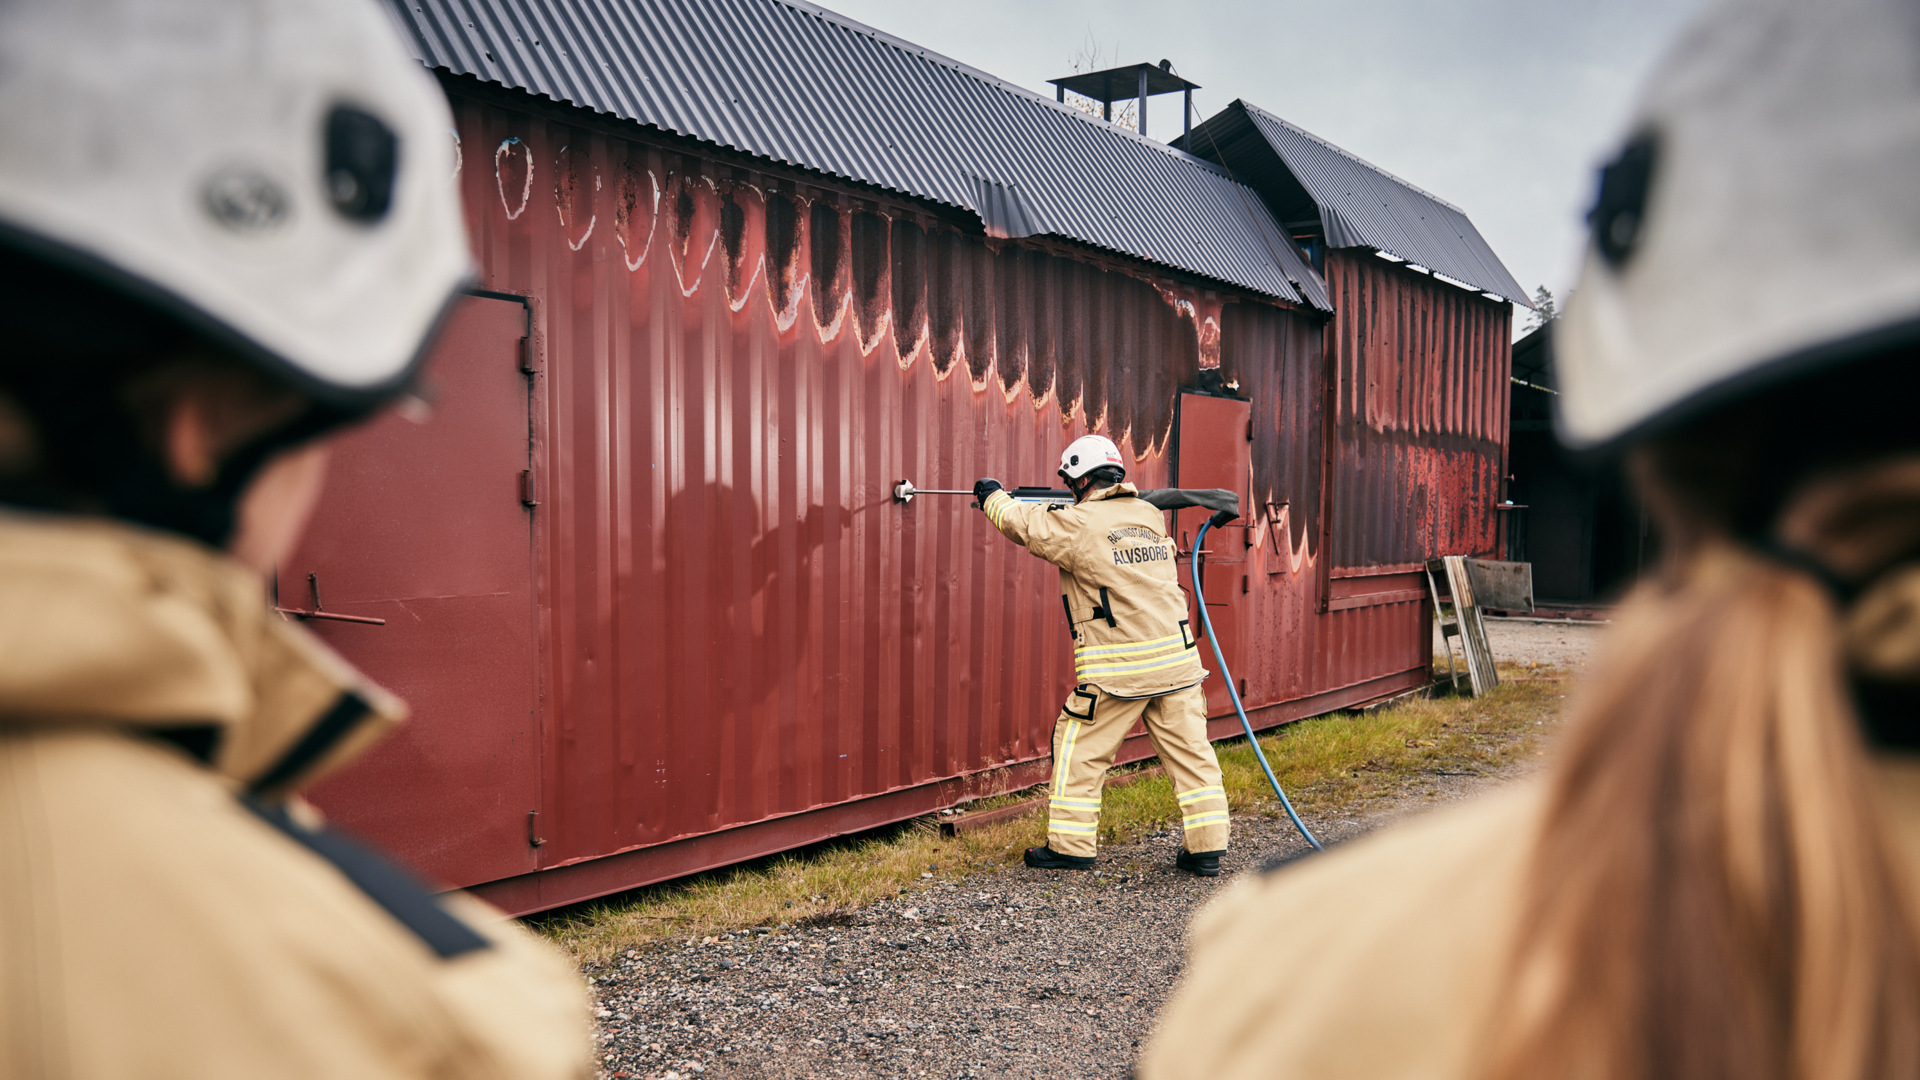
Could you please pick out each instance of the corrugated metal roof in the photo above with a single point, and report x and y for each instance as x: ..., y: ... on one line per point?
x: 1359, y: 204
x: 794, y: 83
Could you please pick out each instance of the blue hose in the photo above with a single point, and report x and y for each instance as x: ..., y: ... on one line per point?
x: 1200, y: 600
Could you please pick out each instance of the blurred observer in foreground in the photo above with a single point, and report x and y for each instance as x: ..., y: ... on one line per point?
x: 1719, y: 872
x: 226, y: 228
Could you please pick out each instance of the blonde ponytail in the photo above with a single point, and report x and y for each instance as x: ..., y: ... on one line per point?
x: 1712, y: 893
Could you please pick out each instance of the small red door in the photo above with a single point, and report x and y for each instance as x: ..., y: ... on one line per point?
x: 422, y: 525
x: 1213, y: 452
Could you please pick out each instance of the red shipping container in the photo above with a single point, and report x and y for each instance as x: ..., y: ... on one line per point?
x: 644, y: 581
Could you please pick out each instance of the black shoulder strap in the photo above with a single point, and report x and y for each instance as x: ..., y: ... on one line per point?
x: 1105, y: 610
x: 402, y: 895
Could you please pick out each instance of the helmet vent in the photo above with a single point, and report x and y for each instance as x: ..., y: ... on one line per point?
x: 1619, y: 213
x: 362, y: 153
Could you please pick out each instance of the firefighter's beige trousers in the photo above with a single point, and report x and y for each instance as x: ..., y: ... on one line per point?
x: 1091, y: 727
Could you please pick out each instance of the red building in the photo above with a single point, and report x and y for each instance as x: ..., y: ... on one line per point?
x: 746, y: 265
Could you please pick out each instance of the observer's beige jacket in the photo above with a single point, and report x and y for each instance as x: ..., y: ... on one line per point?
x: 1383, y: 960
x: 1120, y: 584
x: 152, y: 923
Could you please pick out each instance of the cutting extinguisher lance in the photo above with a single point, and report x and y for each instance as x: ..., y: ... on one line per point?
x: 1233, y: 692
x: 904, y: 491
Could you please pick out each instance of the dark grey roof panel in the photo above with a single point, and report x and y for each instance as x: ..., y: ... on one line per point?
x: 1002, y: 209
x: 793, y: 83
x: 1360, y: 204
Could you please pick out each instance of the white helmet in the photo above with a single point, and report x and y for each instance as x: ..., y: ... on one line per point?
x: 1763, y: 219
x: 1087, y: 453
x: 276, y: 174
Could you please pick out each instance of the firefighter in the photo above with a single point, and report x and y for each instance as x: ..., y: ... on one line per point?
x: 1133, y: 652
x: 227, y: 227
x: 1718, y: 874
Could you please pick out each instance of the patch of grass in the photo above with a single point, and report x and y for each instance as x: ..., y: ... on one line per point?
x: 1328, y: 764
x: 819, y: 885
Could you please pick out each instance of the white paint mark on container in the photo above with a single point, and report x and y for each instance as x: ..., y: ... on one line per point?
x: 513, y: 152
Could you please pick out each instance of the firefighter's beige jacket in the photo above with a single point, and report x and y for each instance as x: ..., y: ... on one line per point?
x: 1120, y: 584
x: 1383, y: 960
x: 154, y: 925
x: 1377, y: 960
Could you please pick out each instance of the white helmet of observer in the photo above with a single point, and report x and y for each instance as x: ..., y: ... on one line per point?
x: 1087, y: 453
x: 275, y: 174
x: 1762, y: 220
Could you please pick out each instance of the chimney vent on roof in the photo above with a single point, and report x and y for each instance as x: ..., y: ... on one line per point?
x: 1140, y: 81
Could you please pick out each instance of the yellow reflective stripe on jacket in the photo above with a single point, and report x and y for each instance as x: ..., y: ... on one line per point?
x: 1085, y: 827
x: 1154, y: 664
x: 1130, y: 646
x: 996, y: 506
x: 1197, y: 794
x: 1211, y: 817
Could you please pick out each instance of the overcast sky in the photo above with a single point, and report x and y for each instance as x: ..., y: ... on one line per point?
x: 1502, y: 107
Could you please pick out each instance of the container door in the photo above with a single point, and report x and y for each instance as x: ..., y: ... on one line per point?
x: 422, y: 525
x: 1214, y: 451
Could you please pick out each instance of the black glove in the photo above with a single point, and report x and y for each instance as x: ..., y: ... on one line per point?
x: 1222, y: 517
x: 982, y: 488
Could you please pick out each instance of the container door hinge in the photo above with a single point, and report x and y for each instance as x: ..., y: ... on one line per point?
x: 534, y: 839
x: 528, y: 364
x: 528, y: 496
x: 1249, y: 431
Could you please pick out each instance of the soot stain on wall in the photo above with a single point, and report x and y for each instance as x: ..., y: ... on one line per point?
x: 1110, y: 347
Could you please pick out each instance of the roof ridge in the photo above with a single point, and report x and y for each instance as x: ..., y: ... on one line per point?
x: 1343, y: 152
x: 995, y: 81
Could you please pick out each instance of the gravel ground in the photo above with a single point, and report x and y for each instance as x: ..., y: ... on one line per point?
x: 1565, y: 645
x: 1014, y: 973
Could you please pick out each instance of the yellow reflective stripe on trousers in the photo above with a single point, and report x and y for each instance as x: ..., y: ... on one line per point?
x: 1201, y: 793
x: 1066, y: 757
x: 1154, y: 664
x: 1211, y: 817
x: 1061, y: 802
x: 1128, y: 646
x: 1086, y: 828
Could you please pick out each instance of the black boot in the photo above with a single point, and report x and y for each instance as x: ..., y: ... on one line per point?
x: 1045, y: 858
x: 1203, y: 863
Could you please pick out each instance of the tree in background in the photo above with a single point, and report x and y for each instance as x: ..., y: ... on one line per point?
x: 1087, y: 58
x: 1545, y: 310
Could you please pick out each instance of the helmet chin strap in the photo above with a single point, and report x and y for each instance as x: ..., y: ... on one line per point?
x: 146, y: 493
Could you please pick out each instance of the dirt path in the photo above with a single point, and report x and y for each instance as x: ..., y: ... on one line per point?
x: 1568, y: 646
x: 1017, y: 973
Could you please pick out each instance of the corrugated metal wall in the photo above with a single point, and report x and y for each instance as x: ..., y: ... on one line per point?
x: 737, y: 623
x: 737, y: 369
x: 1421, y: 407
